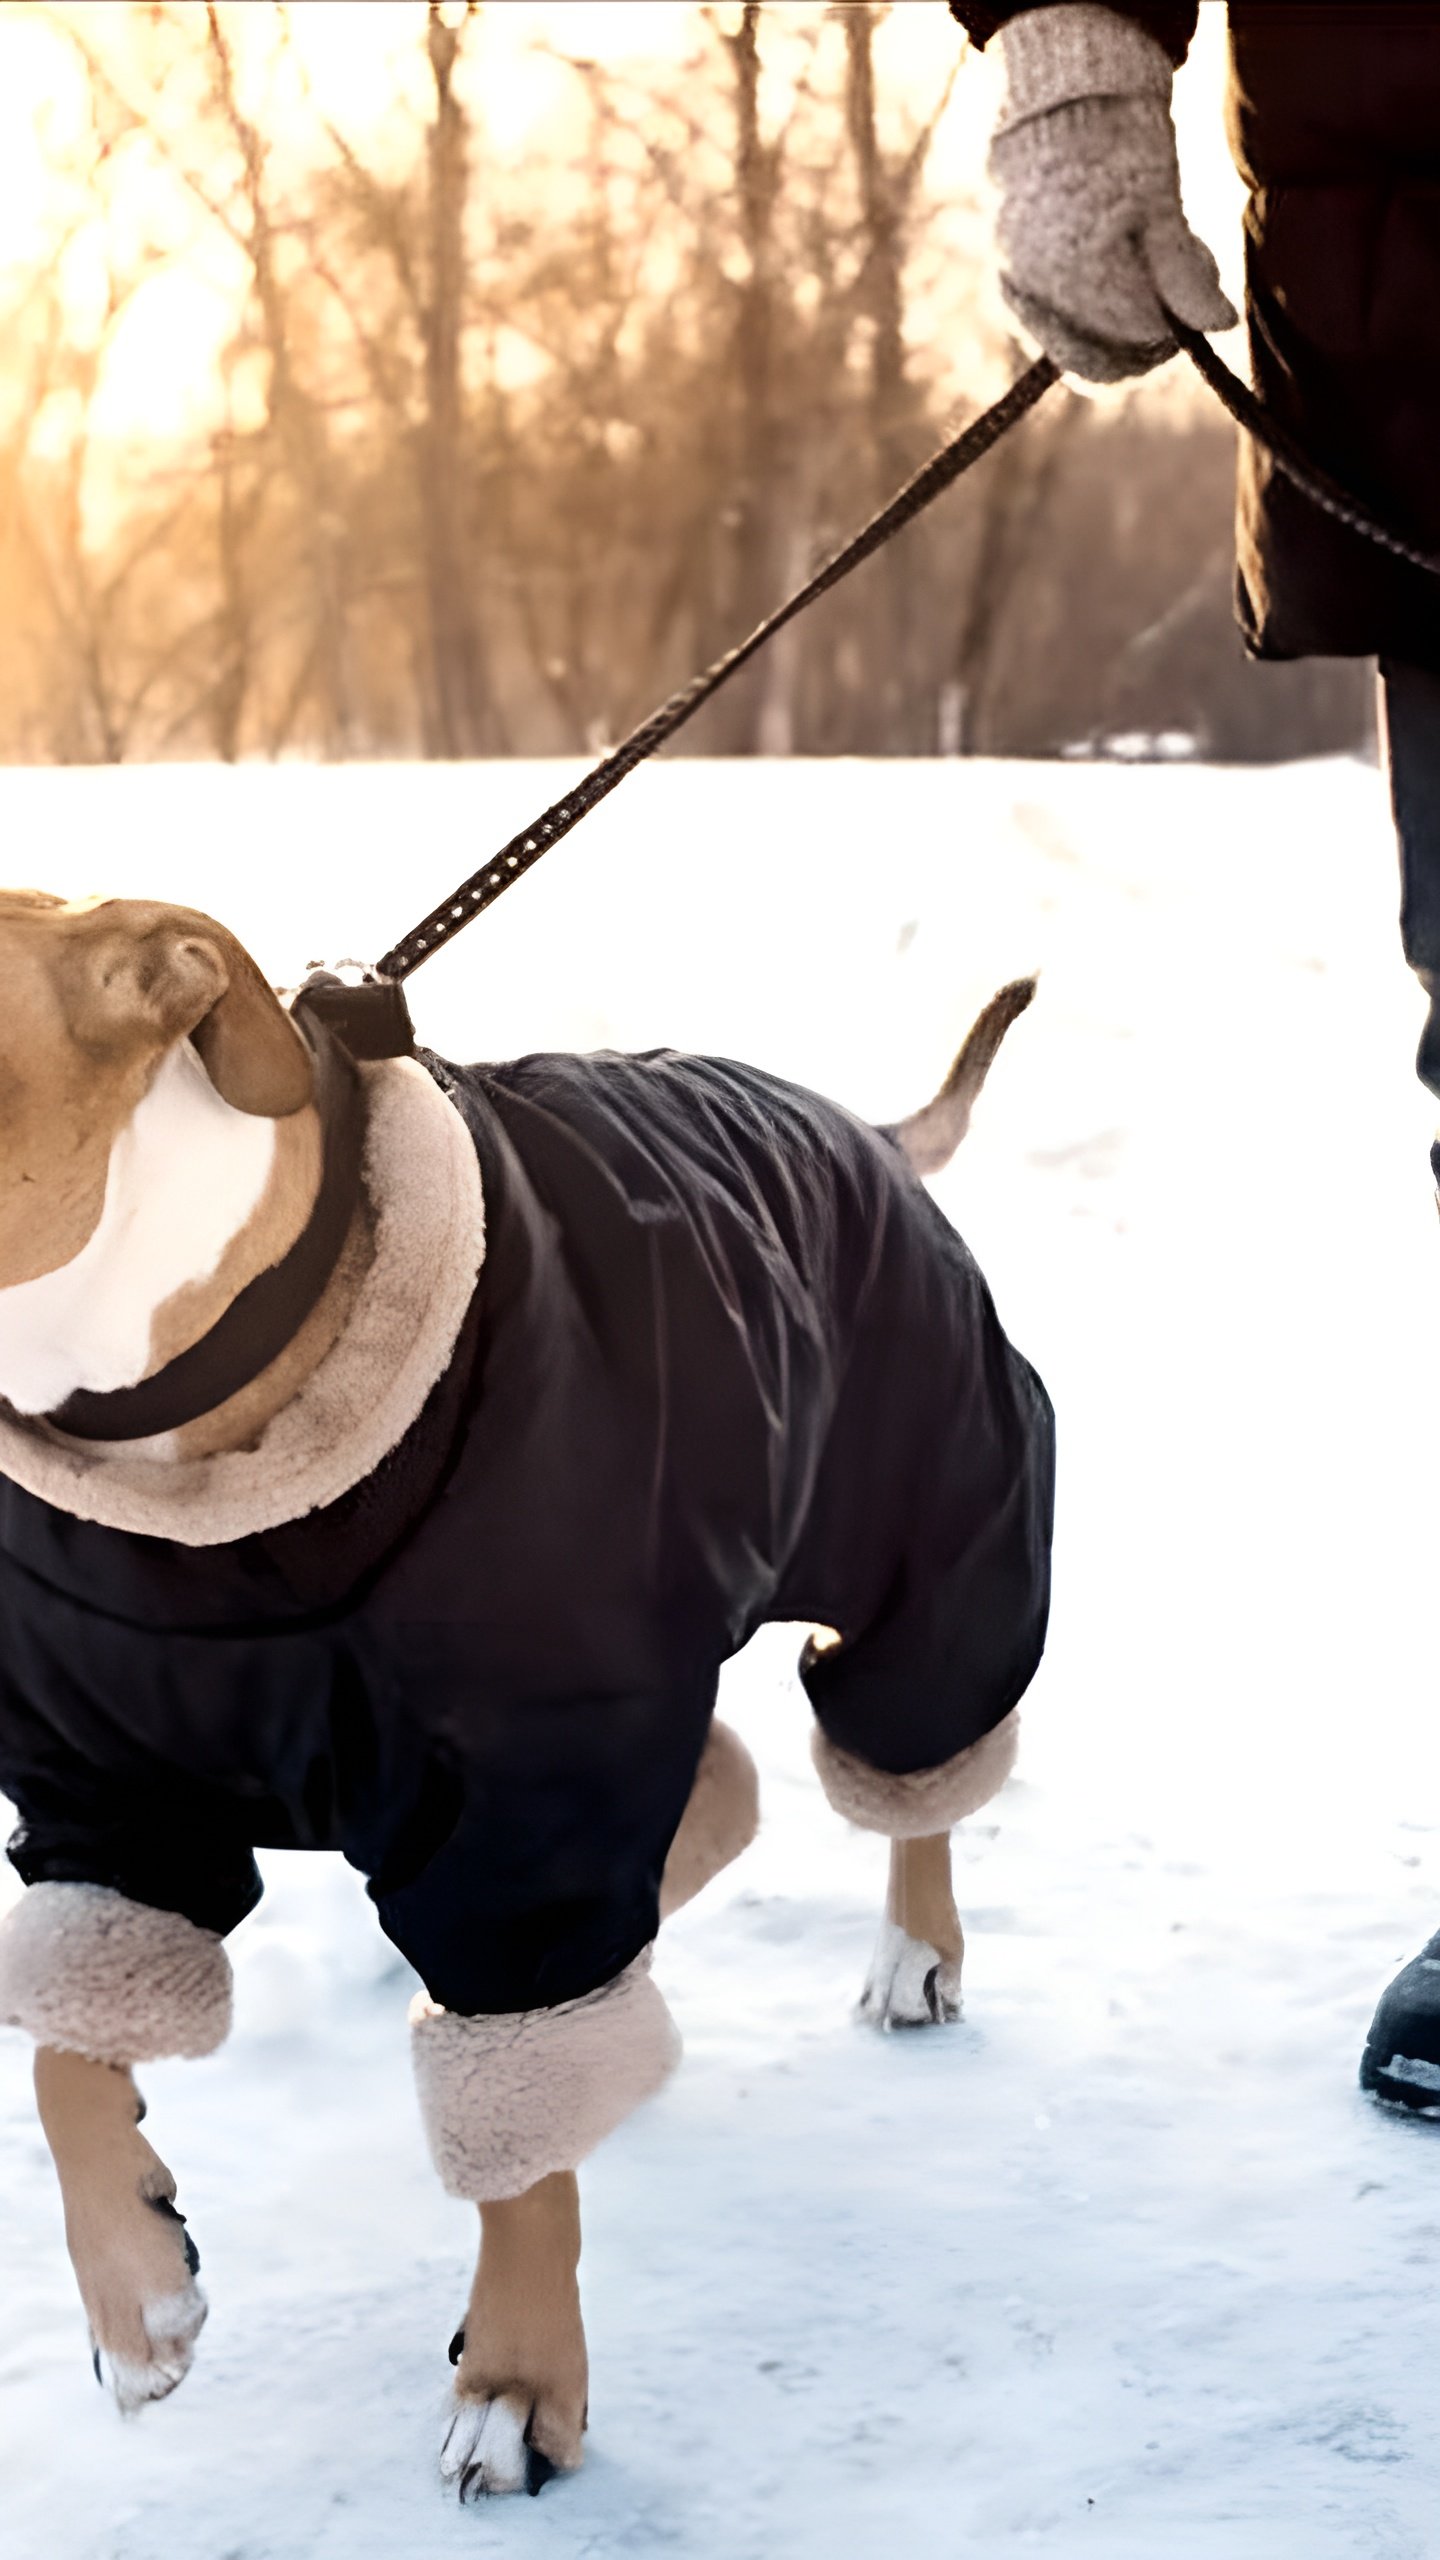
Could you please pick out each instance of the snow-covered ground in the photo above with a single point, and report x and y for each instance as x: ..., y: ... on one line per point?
x: 1123, y: 2265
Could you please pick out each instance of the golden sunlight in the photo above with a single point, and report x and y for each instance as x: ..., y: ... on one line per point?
x: 94, y: 190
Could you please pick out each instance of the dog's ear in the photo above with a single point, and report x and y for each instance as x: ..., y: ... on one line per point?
x: 251, y: 1051
x: 157, y: 975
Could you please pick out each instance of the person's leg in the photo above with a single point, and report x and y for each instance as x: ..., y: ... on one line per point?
x: 1410, y: 723
x: 1401, y: 2061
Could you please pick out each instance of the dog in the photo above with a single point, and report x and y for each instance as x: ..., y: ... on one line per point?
x: 390, y: 1456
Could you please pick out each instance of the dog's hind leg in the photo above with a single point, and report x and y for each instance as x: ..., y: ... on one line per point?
x: 134, y: 2260
x: 522, y: 2379
x: 720, y: 1819
x: 914, y: 1978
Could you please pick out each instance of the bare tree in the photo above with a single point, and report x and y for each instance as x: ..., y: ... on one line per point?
x: 889, y: 183
x: 295, y: 416
x: 391, y: 535
x: 457, y: 665
x: 114, y: 627
x: 416, y: 371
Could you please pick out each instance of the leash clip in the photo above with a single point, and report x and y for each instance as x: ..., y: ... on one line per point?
x: 368, y: 1014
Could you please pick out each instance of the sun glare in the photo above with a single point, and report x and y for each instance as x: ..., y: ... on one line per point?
x: 359, y: 65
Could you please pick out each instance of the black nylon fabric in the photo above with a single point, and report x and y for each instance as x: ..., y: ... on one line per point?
x: 726, y: 1362
x: 1334, y: 120
x: 1335, y: 123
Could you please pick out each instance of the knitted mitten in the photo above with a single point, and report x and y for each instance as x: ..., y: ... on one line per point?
x: 1090, y: 224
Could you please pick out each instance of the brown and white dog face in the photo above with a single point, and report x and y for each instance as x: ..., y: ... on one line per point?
x: 93, y: 994
x: 158, y: 1140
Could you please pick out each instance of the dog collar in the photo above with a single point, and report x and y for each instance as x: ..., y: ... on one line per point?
x: 267, y: 1314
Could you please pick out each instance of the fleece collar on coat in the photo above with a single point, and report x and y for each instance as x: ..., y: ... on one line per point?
x: 423, y: 1184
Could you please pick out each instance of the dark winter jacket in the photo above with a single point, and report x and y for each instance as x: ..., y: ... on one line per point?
x: 1334, y: 119
x: 726, y: 1362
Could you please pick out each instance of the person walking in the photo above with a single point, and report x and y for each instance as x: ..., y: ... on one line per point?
x: 1334, y: 121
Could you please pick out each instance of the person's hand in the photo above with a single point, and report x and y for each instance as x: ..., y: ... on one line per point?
x: 1091, y: 229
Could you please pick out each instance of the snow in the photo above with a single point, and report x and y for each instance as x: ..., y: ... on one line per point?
x: 1122, y: 2265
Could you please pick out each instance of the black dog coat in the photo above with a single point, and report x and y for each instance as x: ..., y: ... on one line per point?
x: 726, y: 1362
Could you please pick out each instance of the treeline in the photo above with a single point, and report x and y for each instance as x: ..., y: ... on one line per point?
x: 501, y: 452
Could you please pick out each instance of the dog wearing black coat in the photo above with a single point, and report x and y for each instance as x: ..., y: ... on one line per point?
x: 390, y: 1457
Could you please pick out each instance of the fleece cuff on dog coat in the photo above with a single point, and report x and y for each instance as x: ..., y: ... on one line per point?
x: 507, y: 2100
x: 922, y: 1801
x: 720, y: 1819
x: 91, y: 1972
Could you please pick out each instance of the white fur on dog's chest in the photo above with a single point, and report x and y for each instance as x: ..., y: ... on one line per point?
x: 185, y: 1175
x: 422, y: 1182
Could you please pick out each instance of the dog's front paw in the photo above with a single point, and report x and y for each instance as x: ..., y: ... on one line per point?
x: 910, y: 1984
x: 169, y: 2327
x: 494, y: 2447
x: 146, y: 2309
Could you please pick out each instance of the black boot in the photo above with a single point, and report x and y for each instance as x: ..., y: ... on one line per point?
x: 1401, y: 2061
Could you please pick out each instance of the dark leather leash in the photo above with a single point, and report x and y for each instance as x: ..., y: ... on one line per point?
x: 367, y: 1017
x: 371, y: 1016
x: 1288, y: 455
x: 516, y: 858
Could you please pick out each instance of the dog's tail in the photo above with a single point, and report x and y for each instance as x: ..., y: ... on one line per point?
x: 930, y: 1136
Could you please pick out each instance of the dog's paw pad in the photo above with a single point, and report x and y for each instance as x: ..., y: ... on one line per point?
x: 911, y: 1984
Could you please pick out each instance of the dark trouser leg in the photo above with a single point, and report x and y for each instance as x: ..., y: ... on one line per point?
x: 1410, y: 714
x: 1401, y: 2061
